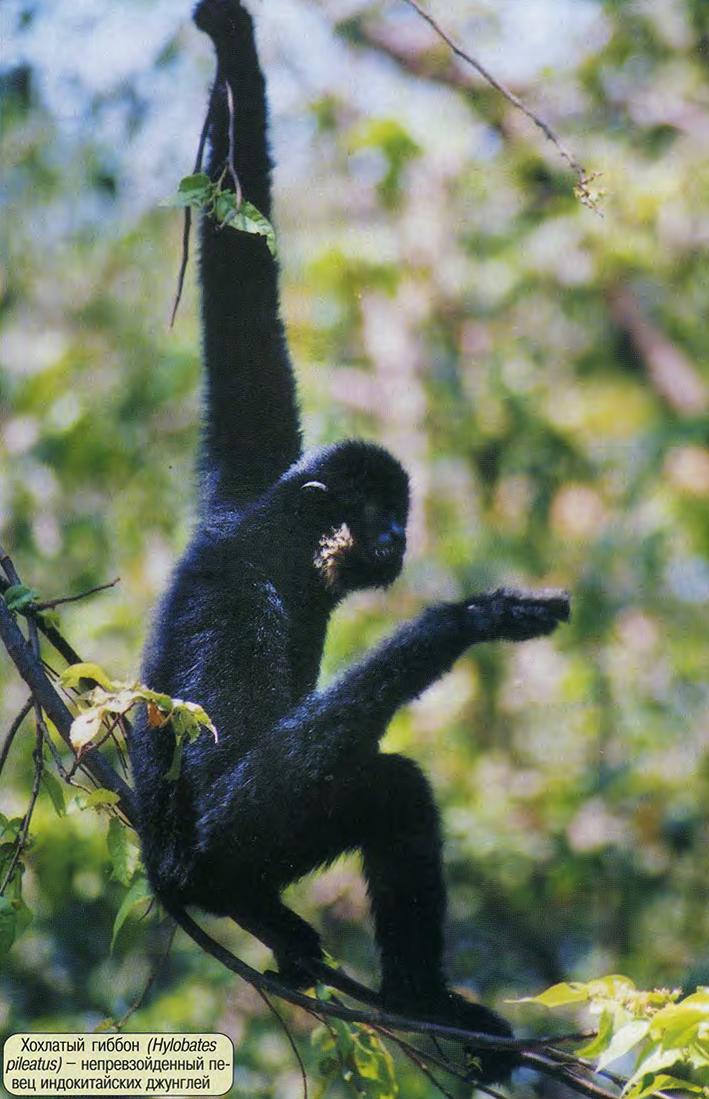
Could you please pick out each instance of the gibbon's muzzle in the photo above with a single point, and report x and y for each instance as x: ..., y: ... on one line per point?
x: 390, y: 542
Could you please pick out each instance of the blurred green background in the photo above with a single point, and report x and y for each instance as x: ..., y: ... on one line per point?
x: 541, y: 371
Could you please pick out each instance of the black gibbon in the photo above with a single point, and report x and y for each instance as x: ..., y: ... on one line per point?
x: 296, y: 777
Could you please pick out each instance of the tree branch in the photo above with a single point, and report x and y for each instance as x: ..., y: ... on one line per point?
x: 532, y: 1053
x: 56, y: 710
x: 13, y: 730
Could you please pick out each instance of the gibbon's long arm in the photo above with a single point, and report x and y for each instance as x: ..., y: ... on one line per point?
x: 252, y: 431
x: 348, y: 718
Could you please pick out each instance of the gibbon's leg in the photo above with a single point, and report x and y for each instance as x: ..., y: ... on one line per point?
x: 401, y: 847
x: 400, y: 839
x: 290, y: 937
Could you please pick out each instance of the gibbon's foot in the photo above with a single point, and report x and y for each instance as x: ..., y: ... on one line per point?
x: 450, y: 1009
x: 495, y: 1065
x: 294, y: 966
x: 515, y: 614
x: 295, y: 972
x: 219, y: 18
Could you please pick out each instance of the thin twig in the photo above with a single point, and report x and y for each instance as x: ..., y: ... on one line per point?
x: 420, y: 1058
x: 12, y: 732
x: 583, y: 177
x: 51, y: 603
x: 187, y: 224
x: 291, y: 1040
x: 231, y: 154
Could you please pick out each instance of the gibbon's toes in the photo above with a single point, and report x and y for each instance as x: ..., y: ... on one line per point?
x: 218, y: 18
x: 488, y: 1066
x: 294, y: 974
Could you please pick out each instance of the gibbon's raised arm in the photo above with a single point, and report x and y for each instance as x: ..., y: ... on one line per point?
x: 252, y: 431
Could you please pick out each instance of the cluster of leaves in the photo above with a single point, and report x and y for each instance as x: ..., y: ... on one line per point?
x: 199, y: 192
x: 355, y: 1055
x: 666, y: 1034
x: 103, y: 702
x: 122, y: 842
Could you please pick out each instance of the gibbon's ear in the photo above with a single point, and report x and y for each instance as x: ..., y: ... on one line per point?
x: 314, y: 486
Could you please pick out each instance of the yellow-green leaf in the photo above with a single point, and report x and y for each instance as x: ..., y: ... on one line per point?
x: 72, y: 675
x: 559, y: 995
x: 101, y: 796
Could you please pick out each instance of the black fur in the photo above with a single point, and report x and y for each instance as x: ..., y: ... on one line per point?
x: 296, y: 777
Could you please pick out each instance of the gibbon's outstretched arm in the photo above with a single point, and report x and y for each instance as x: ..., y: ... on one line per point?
x: 252, y: 432
x: 348, y: 719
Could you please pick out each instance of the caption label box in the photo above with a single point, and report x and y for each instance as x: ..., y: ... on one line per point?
x: 118, y: 1064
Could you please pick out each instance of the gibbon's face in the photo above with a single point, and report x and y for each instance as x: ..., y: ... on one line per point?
x: 354, y: 499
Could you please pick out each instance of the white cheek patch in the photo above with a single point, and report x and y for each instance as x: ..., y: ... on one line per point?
x: 332, y: 548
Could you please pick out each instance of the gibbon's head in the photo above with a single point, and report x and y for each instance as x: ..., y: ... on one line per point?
x: 353, y: 502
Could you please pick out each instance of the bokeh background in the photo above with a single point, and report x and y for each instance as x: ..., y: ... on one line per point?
x: 540, y: 369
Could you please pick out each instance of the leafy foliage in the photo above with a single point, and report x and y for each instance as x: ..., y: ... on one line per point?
x: 355, y: 1055
x: 665, y: 1033
x: 15, y: 916
x: 102, y: 706
x: 199, y: 192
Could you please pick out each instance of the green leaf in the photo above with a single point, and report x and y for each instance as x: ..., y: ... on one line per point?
x: 123, y: 854
x: 624, y: 1040
x: 247, y: 219
x: 9, y: 828
x: 198, y: 182
x: 195, y: 190
x: 55, y: 790
x: 173, y: 772
x: 559, y: 995
x: 652, y: 1084
x: 655, y: 1059
x: 602, y: 1040
x: 224, y: 206
x: 101, y: 796
x: 18, y: 597
x: 672, y: 1023
x: 71, y: 677
x: 8, y: 920
x: 139, y: 891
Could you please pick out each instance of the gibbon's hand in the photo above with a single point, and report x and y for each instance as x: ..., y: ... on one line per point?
x: 219, y: 18
x: 517, y: 614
